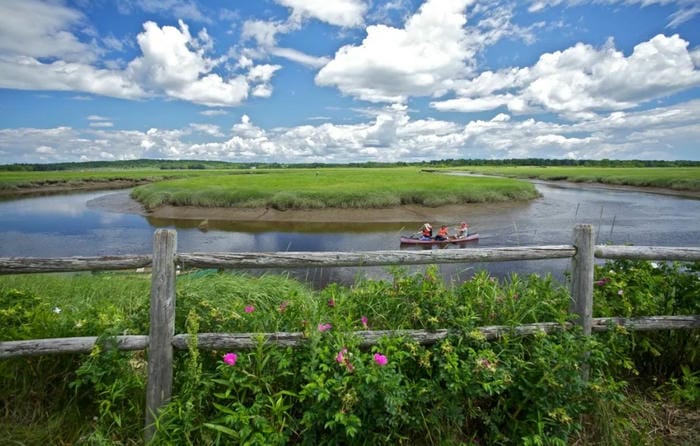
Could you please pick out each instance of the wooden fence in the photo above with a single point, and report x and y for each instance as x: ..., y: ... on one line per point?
x: 162, y: 340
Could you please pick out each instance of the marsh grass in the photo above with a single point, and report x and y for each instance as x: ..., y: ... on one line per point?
x: 676, y: 178
x: 332, y: 188
x: 17, y: 180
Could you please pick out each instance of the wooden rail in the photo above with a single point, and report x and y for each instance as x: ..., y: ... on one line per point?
x: 161, y: 340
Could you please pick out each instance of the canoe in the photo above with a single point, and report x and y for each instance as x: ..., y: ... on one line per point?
x: 416, y: 241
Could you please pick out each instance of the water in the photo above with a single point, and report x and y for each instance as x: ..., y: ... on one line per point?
x: 107, y: 223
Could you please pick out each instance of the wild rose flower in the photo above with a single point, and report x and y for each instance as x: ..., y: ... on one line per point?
x: 344, y: 360
x: 340, y: 357
x: 380, y: 359
x: 363, y: 319
x: 230, y: 359
x: 249, y: 308
x: 324, y: 327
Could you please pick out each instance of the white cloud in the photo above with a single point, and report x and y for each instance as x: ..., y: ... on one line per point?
x: 265, y: 35
x: 175, y: 63
x: 213, y: 112
x: 180, y: 9
x: 27, y: 73
x: 208, y: 129
x: 662, y: 133
x: 299, y: 57
x: 583, y: 79
x: 101, y: 124
x: 685, y: 9
x: 38, y: 51
x: 345, y: 13
x: 420, y: 59
x: 37, y: 29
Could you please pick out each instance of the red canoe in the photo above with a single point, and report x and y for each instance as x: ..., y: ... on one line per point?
x: 417, y: 241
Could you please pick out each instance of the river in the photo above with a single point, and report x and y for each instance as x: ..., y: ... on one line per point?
x: 108, y: 223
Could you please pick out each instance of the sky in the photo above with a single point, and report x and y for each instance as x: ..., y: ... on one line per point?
x: 337, y: 81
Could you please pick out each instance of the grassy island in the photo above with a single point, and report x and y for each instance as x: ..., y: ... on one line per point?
x: 331, y: 188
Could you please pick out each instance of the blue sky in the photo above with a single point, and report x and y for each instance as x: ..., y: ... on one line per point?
x: 348, y: 80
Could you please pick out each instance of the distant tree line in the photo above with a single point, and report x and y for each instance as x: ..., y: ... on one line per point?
x: 204, y: 164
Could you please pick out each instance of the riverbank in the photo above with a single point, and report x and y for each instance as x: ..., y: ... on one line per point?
x: 63, y: 187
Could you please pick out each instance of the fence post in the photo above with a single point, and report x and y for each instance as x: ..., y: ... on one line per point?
x: 162, y: 327
x: 582, y: 280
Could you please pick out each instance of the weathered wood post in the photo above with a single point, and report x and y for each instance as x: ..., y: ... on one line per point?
x: 582, y: 280
x: 162, y: 327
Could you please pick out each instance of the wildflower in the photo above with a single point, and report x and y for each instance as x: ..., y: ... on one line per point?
x: 230, y: 359
x: 620, y: 292
x: 341, y: 358
x: 283, y: 306
x: 324, y: 327
x: 654, y: 265
x: 331, y: 303
x: 249, y: 308
x: 56, y: 310
x: 380, y: 359
x: 363, y: 319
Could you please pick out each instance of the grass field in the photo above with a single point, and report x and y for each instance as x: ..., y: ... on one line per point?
x: 676, y: 178
x: 331, y: 188
x: 15, y: 180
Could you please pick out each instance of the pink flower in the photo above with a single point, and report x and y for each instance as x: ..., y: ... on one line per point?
x: 324, y: 327
x: 249, y: 308
x: 283, y: 306
x: 340, y: 356
x: 363, y: 319
x: 380, y: 359
x: 331, y: 303
x: 230, y: 358
x: 344, y: 360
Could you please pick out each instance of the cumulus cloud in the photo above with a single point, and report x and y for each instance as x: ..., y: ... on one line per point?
x: 390, y: 135
x: 173, y: 62
x: 393, y: 63
x: 583, y: 79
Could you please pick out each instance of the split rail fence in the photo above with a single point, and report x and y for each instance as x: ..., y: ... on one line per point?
x: 162, y: 340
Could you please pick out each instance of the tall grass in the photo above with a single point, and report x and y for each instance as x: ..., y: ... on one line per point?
x: 677, y: 178
x: 331, y: 188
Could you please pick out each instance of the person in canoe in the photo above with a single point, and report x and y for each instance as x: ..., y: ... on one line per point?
x: 426, y: 232
x: 463, y: 230
x: 443, y: 233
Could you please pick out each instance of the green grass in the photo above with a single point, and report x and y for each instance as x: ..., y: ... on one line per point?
x: 14, y: 180
x: 331, y: 188
x: 676, y: 178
